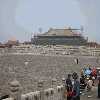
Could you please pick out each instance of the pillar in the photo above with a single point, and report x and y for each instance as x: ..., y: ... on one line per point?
x: 15, y: 90
x: 41, y: 89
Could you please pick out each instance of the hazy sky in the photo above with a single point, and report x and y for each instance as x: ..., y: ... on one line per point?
x: 19, y: 18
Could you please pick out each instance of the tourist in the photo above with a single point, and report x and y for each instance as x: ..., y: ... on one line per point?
x: 87, y: 73
x: 82, y: 83
x: 94, y: 72
x: 99, y: 87
x: 69, y: 87
x: 76, y: 87
x: 76, y: 60
x: 89, y: 84
x: 82, y: 72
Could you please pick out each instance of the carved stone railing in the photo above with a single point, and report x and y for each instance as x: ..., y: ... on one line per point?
x: 53, y: 93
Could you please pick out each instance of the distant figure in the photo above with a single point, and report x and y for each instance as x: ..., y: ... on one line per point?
x: 94, y: 72
x: 94, y: 75
x: 82, y: 72
x: 89, y: 84
x: 99, y: 87
x: 69, y: 87
x: 82, y: 83
x: 76, y: 60
x: 87, y: 72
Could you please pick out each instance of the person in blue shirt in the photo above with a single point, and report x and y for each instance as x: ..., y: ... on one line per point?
x: 99, y: 87
x: 76, y: 87
x: 69, y: 87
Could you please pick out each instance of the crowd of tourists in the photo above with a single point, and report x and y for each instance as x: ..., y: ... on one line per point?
x: 88, y: 77
x: 72, y: 87
x: 76, y: 85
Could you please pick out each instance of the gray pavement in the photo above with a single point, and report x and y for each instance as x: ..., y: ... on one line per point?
x: 92, y: 95
x: 29, y: 69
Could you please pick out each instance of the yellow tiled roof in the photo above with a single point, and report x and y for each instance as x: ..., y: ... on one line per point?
x: 60, y: 32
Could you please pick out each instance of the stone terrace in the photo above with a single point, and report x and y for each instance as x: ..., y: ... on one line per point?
x: 29, y: 69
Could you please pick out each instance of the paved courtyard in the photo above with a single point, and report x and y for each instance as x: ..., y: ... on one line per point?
x: 29, y: 69
x: 90, y: 95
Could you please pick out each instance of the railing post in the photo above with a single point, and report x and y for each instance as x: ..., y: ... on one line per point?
x: 54, y: 83
x: 53, y: 92
x: 63, y: 88
x: 41, y: 89
x: 15, y: 90
x: 47, y: 94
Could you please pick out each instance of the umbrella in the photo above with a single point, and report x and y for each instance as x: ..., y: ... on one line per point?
x: 87, y: 71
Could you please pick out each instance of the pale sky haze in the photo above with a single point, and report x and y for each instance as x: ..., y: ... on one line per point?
x: 19, y: 18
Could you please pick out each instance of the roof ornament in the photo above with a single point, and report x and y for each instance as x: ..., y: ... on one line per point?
x: 40, y: 30
x: 82, y: 29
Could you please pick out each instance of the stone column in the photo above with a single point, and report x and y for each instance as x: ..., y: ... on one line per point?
x: 54, y: 83
x: 41, y: 89
x: 53, y: 89
x: 15, y: 90
x: 63, y: 88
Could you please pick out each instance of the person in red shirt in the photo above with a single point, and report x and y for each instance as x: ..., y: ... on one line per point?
x: 94, y: 72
